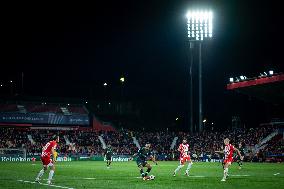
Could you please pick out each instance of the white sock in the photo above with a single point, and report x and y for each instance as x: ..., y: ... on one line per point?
x: 188, y: 167
x: 40, y: 174
x: 178, y: 168
x: 50, y: 175
x: 226, y: 170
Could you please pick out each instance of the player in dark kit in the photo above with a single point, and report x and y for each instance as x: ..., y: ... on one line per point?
x: 108, y: 155
x: 238, y: 158
x: 142, y: 155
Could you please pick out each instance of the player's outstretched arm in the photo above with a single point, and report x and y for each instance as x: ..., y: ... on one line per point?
x: 154, y: 159
x: 239, y: 153
x: 219, y: 152
x: 134, y: 155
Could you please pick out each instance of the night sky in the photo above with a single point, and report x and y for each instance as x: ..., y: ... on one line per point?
x: 71, y: 52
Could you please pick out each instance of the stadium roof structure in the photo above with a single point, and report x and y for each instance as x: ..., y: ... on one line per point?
x: 267, y: 88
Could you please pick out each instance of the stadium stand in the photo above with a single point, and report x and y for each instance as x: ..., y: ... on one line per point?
x: 266, y: 88
x: 43, y: 108
x: 102, y: 126
x: 264, y: 143
x: 77, y: 109
x: 13, y: 138
x: 42, y: 114
x: 203, y: 146
x: 9, y: 108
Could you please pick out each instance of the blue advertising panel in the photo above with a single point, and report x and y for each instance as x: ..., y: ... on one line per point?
x: 48, y: 118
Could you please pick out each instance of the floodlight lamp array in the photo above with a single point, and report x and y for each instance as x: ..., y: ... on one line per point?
x: 199, y: 25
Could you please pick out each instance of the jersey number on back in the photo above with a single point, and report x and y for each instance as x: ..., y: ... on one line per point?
x: 46, y: 146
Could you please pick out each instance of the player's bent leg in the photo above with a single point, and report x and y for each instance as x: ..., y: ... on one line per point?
x: 181, y: 165
x: 51, y: 173
x: 240, y: 163
x: 108, y: 163
x: 140, y: 166
x: 149, y: 167
x: 41, y: 172
x: 226, y: 170
x: 145, y: 176
x: 142, y: 173
x: 229, y: 164
x: 188, y: 167
x: 45, y: 162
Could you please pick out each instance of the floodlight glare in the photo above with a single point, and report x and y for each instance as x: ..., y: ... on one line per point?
x: 199, y: 25
x: 122, y: 79
x: 271, y: 72
x: 242, y: 77
x: 231, y: 79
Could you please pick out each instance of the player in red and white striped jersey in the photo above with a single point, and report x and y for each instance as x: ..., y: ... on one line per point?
x: 184, y: 157
x: 228, y: 157
x: 47, y: 151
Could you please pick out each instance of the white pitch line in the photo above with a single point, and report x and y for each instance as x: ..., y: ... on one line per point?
x: 196, y: 176
x: 89, y: 178
x: 52, y: 185
x: 276, y: 174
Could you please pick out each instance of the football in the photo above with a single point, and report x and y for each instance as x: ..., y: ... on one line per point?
x: 152, y: 177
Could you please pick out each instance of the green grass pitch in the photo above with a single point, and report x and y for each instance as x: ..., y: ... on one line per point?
x: 94, y: 174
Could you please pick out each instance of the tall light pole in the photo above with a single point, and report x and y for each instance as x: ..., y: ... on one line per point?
x: 105, y: 93
x: 122, y: 80
x: 191, y: 87
x: 22, y: 83
x: 11, y: 87
x: 200, y: 27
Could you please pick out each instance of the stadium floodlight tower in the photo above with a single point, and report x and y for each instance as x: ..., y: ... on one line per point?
x: 200, y: 28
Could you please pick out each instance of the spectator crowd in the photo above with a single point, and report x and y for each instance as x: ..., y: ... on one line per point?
x: 88, y: 142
